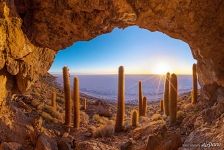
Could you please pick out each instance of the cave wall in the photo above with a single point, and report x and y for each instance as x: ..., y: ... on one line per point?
x: 21, y: 62
x: 32, y: 31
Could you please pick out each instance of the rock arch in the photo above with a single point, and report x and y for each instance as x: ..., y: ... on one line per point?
x: 32, y: 31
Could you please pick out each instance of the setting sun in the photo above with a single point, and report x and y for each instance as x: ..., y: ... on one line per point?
x: 161, y: 68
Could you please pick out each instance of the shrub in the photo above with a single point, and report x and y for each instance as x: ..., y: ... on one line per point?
x: 100, y: 119
x: 84, y: 118
x: 127, y: 125
x: 156, y: 117
x: 157, y: 122
x: 105, y: 130
x: 47, y: 117
x: 102, y: 111
x: 188, y: 106
x: 50, y: 110
x: 35, y: 102
x: 180, y: 115
x: 143, y: 119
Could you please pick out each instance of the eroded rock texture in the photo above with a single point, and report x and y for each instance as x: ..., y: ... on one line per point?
x: 21, y: 62
x: 32, y: 29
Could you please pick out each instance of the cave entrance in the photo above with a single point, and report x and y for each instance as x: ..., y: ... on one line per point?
x: 146, y: 56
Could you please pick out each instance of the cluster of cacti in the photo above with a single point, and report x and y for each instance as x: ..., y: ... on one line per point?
x: 67, y: 92
x: 140, y: 100
x: 195, y: 85
x: 144, y: 106
x: 121, y: 101
x: 53, y: 101
x: 161, y: 106
x: 68, y: 103
x: 134, y: 118
x: 173, y: 98
x: 76, y: 103
x: 168, y: 104
x: 166, y: 94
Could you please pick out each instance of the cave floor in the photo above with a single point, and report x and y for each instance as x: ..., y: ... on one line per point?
x: 28, y: 118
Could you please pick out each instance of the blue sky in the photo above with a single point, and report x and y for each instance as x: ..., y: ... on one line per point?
x: 138, y: 50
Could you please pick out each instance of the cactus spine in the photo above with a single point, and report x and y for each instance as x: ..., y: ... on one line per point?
x: 67, y: 93
x: 84, y: 104
x: 76, y: 103
x: 134, y: 118
x: 161, y: 105
x: 140, y: 101
x: 195, y: 85
x: 53, y: 101
x: 121, y: 101
x: 166, y: 94
x: 173, y: 98
x: 144, y: 105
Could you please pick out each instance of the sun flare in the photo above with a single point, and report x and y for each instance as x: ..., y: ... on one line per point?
x: 161, y: 68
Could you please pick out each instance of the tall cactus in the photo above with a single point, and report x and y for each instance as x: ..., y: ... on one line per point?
x: 53, y: 100
x: 84, y: 104
x: 134, y: 118
x: 76, y: 103
x: 67, y: 93
x: 144, y: 106
x: 173, y: 98
x: 161, y: 106
x: 195, y: 85
x: 121, y: 101
x: 166, y: 94
x: 140, y: 100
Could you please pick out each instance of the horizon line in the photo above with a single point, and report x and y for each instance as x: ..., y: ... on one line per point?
x: 72, y: 73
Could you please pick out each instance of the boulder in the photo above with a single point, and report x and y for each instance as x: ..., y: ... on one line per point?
x: 45, y: 143
x: 10, y: 146
x: 64, y: 144
x: 168, y: 141
x: 93, y: 145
